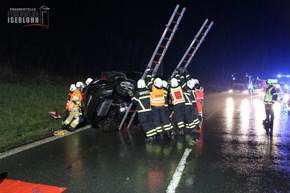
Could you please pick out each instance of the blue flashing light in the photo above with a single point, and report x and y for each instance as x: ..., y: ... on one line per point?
x: 279, y: 75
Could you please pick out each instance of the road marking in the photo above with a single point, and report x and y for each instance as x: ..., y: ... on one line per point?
x: 178, y: 172
x: 37, y: 143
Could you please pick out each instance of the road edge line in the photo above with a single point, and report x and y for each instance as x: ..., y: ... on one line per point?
x: 37, y: 143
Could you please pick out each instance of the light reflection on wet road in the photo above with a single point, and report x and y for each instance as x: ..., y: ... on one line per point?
x: 233, y: 154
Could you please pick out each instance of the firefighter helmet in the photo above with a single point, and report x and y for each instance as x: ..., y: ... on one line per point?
x: 88, y: 81
x: 158, y: 82
x: 80, y: 85
x: 164, y: 83
x: 190, y: 83
x: 270, y: 82
x: 141, y: 83
x: 174, y: 82
x: 72, y: 87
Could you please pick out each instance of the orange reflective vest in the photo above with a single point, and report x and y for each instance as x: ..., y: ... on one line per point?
x: 199, y: 95
x: 157, y: 97
x: 176, y: 95
x: 75, y: 100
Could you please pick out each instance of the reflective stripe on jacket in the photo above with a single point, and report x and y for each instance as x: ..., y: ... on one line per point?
x: 142, y: 97
x: 157, y: 97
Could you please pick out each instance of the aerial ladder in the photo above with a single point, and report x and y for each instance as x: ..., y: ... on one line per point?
x: 188, y: 55
x: 193, y: 47
x: 159, y: 52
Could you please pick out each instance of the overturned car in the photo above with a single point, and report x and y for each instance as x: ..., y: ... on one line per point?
x: 107, y: 100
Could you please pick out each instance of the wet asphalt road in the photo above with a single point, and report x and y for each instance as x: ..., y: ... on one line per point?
x: 233, y: 154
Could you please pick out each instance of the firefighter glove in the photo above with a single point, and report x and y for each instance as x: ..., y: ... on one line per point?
x: 130, y: 93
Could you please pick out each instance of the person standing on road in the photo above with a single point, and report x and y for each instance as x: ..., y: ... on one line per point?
x: 168, y: 127
x: 142, y: 98
x: 199, y: 99
x: 178, y: 101
x: 269, y: 100
x: 157, y: 101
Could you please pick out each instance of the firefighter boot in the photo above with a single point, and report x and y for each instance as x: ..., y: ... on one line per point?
x: 160, y: 135
x: 180, y: 131
x: 71, y: 129
x: 170, y: 134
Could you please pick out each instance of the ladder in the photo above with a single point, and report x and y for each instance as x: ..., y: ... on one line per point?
x: 193, y: 47
x: 159, y: 52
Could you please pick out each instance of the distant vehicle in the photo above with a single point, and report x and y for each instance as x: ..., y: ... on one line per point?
x: 245, y: 84
x: 284, y: 81
x: 107, y: 99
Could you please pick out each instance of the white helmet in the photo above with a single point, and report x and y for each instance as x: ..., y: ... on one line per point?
x: 80, y: 85
x: 72, y: 87
x: 158, y: 82
x: 141, y: 83
x: 190, y: 83
x: 196, y: 81
x: 174, y: 82
x: 164, y: 83
x: 88, y: 81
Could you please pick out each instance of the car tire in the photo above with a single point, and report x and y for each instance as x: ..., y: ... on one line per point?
x: 123, y: 86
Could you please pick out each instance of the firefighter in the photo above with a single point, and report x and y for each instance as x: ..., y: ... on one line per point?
x: 178, y: 102
x: 199, y: 99
x: 269, y: 99
x: 189, y: 82
x: 74, y: 108
x: 168, y: 127
x: 71, y: 90
x: 189, y: 111
x: 157, y: 101
x: 142, y: 98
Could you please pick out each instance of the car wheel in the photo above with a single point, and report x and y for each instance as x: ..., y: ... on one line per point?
x: 123, y: 86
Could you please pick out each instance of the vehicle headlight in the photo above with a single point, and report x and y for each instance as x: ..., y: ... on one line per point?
x: 246, y: 91
x: 231, y: 90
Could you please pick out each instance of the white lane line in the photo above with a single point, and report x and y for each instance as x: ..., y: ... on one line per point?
x: 178, y: 172
x: 37, y: 143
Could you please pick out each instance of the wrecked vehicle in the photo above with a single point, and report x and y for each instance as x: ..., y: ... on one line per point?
x: 106, y: 99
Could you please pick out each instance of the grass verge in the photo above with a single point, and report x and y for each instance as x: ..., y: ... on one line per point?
x: 24, y: 112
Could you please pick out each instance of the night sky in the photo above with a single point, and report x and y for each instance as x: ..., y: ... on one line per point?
x: 87, y: 37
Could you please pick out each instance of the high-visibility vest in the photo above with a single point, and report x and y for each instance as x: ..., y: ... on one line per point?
x: 268, y: 99
x: 157, y: 97
x: 199, y: 95
x: 176, y: 95
x: 75, y: 100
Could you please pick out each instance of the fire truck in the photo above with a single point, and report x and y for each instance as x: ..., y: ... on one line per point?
x: 243, y: 83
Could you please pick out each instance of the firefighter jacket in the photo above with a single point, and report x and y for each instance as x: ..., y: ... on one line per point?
x: 142, y: 98
x: 177, y: 95
x: 189, y: 97
x: 75, y: 100
x: 270, y: 95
